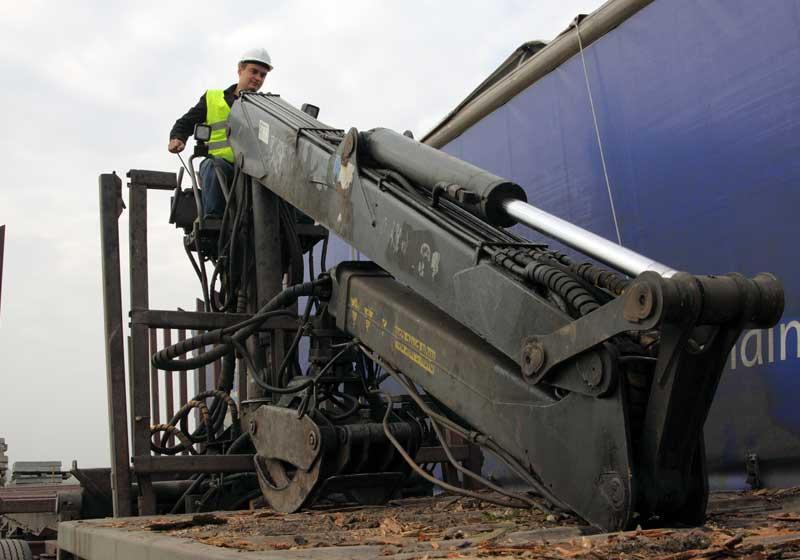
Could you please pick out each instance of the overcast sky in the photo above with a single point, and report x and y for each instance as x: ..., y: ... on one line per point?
x: 94, y: 87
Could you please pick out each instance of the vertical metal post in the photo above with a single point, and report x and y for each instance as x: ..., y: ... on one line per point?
x: 201, y: 382
x: 200, y: 375
x: 140, y: 359
x: 169, y: 389
x: 154, y: 393
x: 110, y: 210
x: 241, y: 379
x: 183, y: 387
x: 217, y: 372
x: 269, y: 268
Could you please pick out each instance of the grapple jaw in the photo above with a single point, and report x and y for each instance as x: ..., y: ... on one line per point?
x: 299, y: 461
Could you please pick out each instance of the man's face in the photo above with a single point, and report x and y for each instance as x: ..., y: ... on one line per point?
x: 252, y: 76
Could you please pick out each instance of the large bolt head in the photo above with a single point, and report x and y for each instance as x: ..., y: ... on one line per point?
x: 347, y: 148
x: 639, y: 302
x: 591, y: 370
x: 533, y: 358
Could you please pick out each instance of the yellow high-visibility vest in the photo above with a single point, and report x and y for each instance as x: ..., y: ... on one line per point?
x: 217, y: 112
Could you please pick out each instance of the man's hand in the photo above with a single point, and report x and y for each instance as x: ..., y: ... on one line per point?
x: 176, y: 145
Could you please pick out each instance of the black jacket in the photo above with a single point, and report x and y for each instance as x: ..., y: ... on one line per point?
x: 184, y: 126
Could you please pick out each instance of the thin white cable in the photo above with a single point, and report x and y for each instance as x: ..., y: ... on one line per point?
x: 597, y: 132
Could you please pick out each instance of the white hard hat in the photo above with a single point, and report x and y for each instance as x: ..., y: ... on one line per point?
x: 260, y: 56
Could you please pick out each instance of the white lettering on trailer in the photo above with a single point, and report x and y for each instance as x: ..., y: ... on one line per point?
x: 749, y: 350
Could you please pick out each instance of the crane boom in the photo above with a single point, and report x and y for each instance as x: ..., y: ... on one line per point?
x: 592, y: 386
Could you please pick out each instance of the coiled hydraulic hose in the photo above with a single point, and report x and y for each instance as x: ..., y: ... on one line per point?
x: 222, y: 339
x: 561, y: 283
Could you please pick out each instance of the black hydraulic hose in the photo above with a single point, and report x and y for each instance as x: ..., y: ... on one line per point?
x: 453, y: 214
x: 602, y: 284
x: 227, y: 243
x: 323, y: 257
x: 226, y: 378
x: 224, y: 397
x: 163, y: 359
x: 205, y: 419
x: 296, y: 341
x: 194, y: 264
x: 422, y: 473
x: 355, y: 405
x: 212, y: 420
x: 166, y: 359
x: 237, y: 443
x: 601, y: 278
x: 246, y: 498
x: 456, y: 220
x: 293, y: 241
x: 192, y: 487
x: 259, y: 319
x: 560, y: 282
x: 460, y: 468
x: 219, y: 410
x: 203, y: 278
x: 204, y: 432
x: 475, y: 437
x: 169, y: 430
x: 478, y: 226
x: 417, y: 203
x: 228, y: 372
x: 223, y: 304
x: 302, y: 385
x: 198, y: 199
x: 405, y: 183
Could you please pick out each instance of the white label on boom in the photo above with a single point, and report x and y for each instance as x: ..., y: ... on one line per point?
x: 263, y: 132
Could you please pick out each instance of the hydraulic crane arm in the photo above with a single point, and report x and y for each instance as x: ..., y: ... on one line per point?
x: 594, y: 385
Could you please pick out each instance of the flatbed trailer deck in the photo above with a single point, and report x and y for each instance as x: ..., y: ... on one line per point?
x: 756, y: 524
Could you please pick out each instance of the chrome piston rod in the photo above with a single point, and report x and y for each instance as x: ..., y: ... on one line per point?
x: 586, y: 242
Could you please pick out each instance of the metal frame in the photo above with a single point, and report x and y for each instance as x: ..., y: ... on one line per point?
x: 145, y: 396
x: 143, y: 379
x: 111, y: 206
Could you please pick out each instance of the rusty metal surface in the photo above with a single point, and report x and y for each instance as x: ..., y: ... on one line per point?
x: 764, y: 524
x: 34, y: 498
x: 160, y: 180
x: 111, y: 206
x: 183, y: 387
x: 169, y: 391
x: 201, y: 320
x: 139, y: 355
x: 30, y: 504
x: 244, y: 463
x: 193, y: 464
x: 155, y: 399
x: 3, y: 459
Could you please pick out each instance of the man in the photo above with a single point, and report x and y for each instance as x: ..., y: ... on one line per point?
x: 213, y: 109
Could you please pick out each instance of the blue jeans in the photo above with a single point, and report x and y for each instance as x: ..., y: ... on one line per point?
x: 213, y: 198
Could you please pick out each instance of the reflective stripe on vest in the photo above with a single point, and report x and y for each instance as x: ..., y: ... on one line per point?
x: 217, y: 112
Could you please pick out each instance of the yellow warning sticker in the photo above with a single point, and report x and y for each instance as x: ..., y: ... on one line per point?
x: 413, y: 356
x: 414, y: 349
